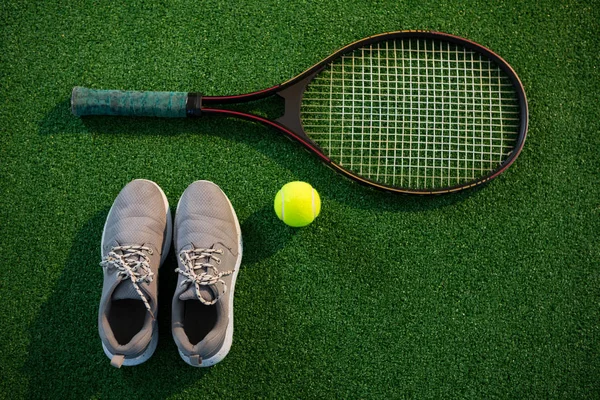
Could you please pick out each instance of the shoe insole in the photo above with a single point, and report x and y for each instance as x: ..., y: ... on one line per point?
x: 126, y: 318
x: 198, y: 320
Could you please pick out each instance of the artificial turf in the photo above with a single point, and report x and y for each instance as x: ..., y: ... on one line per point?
x: 488, y: 293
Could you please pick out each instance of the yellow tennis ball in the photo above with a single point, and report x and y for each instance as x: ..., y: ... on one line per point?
x: 297, y: 204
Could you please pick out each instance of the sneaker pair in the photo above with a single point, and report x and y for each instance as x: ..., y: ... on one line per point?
x: 135, y: 243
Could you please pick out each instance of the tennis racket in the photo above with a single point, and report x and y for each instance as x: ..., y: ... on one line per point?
x: 409, y: 112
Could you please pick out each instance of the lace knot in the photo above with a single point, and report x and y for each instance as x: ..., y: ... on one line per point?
x: 132, y: 262
x: 199, y: 271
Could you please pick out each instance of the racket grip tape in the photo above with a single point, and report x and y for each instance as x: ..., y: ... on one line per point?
x: 86, y: 101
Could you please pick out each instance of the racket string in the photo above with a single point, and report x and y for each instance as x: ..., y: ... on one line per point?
x: 413, y: 113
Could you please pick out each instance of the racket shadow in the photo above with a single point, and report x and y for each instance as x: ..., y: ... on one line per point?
x: 296, y: 164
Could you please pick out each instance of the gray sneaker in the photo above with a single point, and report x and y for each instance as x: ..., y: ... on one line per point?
x: 135, y: 242
x: 208, y: 242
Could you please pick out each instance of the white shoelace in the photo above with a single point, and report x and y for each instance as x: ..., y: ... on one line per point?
x: 132, y: 263
x: 196, y: 259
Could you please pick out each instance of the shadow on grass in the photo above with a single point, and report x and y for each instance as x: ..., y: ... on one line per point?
x: 265, y: 140
x: 263, y: 239
x: 65, y: 354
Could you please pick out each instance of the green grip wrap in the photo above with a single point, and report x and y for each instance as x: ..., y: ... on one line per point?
x: 128, y: 103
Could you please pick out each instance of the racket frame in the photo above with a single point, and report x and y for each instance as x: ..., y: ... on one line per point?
x: 292, y: 90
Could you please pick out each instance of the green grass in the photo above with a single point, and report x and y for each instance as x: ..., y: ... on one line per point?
x: 488, y: 293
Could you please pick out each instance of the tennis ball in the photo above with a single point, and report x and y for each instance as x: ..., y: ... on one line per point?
x: 297, y: 204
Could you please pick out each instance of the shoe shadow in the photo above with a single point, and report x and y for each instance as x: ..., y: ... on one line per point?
x: 65, y: 354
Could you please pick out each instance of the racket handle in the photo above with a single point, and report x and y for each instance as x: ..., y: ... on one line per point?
x: 128, y: 103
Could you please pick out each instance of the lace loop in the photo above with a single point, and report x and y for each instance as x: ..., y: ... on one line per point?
x: 197, y: 258
x: 132, y: 262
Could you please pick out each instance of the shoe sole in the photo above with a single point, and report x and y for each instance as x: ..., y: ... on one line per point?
x: 164, y: 252
x: 220, y: 355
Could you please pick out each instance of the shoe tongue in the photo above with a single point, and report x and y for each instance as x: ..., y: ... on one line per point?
x: 208, y: 293
x: 125, y: 290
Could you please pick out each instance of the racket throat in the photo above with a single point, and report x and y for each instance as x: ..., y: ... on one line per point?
x: 292, y: 95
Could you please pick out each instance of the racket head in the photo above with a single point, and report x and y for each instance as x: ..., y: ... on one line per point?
x: 411, y: 112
